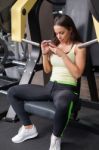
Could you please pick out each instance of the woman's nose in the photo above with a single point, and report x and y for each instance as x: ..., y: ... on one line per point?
x: 58, y: 36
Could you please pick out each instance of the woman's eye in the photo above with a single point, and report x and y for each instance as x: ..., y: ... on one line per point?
x: 62, y: 33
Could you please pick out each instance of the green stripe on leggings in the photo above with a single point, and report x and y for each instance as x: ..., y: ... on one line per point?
x: 69, y: 115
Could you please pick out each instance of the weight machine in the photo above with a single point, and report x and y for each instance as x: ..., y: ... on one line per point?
x: 31, y: 62
x: 80, y: 12
x: 17, y: 34
x: 8, y: 48
x: 46, y: 108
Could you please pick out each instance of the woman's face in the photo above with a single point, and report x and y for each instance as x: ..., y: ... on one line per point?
x: 62, y: 33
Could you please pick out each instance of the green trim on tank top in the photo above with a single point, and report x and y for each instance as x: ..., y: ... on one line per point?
x: 67, y: 83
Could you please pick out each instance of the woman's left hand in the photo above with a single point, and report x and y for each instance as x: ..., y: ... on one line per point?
x: 55, y: 50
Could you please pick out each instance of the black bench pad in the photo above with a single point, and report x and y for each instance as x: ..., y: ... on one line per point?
x: 45, y: 109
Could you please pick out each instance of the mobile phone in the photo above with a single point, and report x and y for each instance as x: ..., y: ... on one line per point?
x: 49, y: 41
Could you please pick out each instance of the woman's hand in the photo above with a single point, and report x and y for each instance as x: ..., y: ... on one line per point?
x: 45, y: 47
x: 56, y: 50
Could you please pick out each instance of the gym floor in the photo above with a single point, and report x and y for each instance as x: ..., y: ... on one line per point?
x: 79, y: 135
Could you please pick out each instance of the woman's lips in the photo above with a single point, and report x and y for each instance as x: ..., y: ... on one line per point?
x: 61, y: 40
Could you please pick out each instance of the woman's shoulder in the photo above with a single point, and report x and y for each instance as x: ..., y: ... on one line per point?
x: 77, y: 44
x: 77, y: 48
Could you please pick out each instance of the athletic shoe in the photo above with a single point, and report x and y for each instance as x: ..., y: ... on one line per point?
x: 55, y: 143
x: 25, y: 134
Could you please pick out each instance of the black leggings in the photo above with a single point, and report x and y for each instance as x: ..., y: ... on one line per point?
x: 61, y: 95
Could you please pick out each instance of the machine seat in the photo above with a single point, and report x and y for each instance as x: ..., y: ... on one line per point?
x: 43, y: 108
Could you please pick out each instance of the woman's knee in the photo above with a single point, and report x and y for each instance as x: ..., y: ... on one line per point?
x: 11, y: 91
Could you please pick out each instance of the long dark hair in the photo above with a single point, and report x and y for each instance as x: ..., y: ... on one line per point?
x: 66, y: 22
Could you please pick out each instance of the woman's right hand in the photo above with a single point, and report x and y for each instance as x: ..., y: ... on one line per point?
x: 45, y: 47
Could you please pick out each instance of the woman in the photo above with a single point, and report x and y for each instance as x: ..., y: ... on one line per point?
x: 66, y: 61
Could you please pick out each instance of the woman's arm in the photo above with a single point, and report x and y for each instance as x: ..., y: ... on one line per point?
x: 46, y: 63
x: 46, y: 53
x: 80, y: 60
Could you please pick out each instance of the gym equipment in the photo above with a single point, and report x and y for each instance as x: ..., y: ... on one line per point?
x: 94, y: 8
x: 3, y: 54
x: 32, y: 64
x: 5, y: 82
x: 5, y: 59
x: 19, y: 12
x: 80, y: 9
x: 5, y: 29
x: 5, y: 17
x: 77, y: 10
x: 96, y: 25
x: 29, y: 71
x: 47, y: 109
x: 31, y: 42
x: 5, y: 48
x: 86, y: 44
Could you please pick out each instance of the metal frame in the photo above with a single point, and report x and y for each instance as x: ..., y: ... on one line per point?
x: 32, y: 62
x: 31, y: 65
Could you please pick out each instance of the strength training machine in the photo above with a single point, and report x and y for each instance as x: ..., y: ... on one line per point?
x: 80, y: 12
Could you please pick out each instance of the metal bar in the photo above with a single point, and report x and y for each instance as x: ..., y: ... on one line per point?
x: 19, y: 63
x: 3, y: 92
x: 88, y: 43
x: 31, y: 42
x: 80, y: 46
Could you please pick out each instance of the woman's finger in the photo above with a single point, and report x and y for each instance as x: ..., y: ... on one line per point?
x: 52, y: 45
x: 54, y: 50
